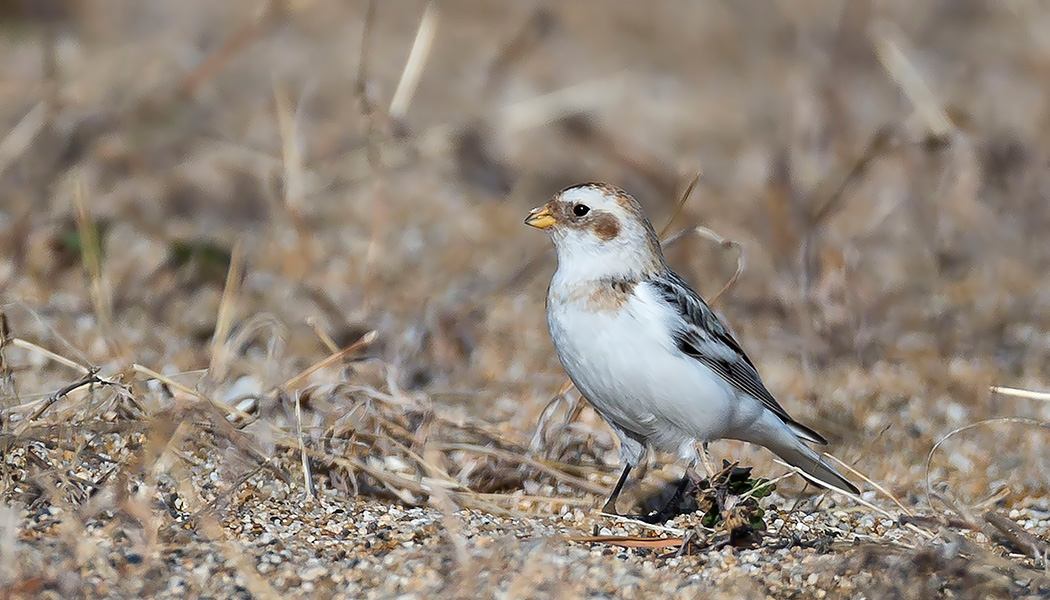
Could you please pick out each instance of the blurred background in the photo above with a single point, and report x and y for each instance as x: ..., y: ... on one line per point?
x: 880, y: 169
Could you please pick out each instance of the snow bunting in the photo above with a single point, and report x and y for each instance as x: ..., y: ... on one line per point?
x: 646, y: 350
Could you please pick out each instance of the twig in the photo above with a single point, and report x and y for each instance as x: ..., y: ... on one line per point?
x: 1026, y: 542
x: 373, y: 154
x: 49, y: 68
x: 879, y: 145
x: 90, y: 379
x: 234, y: 45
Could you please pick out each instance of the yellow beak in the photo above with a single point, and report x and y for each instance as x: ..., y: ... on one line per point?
x: 540, y: 218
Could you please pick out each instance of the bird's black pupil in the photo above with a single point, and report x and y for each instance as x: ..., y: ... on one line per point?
x: 579, y: 210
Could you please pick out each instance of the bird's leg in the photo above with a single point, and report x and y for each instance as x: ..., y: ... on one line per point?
x: 706, y: 459
x: 610, y: 504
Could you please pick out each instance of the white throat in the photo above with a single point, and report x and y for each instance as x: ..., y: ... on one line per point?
x: 583, y: 257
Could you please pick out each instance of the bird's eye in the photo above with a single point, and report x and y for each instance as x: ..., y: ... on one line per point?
x: 580, y: 210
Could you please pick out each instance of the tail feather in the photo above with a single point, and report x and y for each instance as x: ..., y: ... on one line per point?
x: 817, y: 469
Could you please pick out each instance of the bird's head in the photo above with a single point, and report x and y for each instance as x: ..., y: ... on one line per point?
x: 599, y: 231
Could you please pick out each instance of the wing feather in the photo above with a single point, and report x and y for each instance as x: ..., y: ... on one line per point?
x: 703, y: 337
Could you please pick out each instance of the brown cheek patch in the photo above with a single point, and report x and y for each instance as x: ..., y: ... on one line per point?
x: 606, y: 227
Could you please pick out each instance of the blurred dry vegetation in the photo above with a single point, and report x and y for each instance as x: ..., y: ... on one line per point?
x: 248, y: 256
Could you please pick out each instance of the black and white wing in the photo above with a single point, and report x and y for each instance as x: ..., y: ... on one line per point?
x: 703, y: 337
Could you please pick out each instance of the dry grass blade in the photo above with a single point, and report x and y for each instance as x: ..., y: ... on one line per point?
x: 855, y: 497
x: 723, y: 243
x: 402, y: 486
x: 675, y: 531
x: 625, y: 541
x: 518, y: 499
x: 22, y: 135
x: 681, y: 204
x: 879, y: 145
x: 238, y: 560
x: 291, y: 151
x: 30, y: 346
x: 308, y: 481
x: 534, y: 31
x: 294, y: 179
x: 237, y: 43
x: 91, y: 249
x: 550, y: 107
x: 294, y: 382
x: 224, y: 320
x: 417, y: 60
x: 871, y: 482
x: 572, y: 480
x: 366, y: 44
x: 893, y: 51
x: 1021, y: 393
x: 322, y: 335
x: 171, y: 383
x: 442, y: 500
x: 929, y: 457
x: 6, y: 377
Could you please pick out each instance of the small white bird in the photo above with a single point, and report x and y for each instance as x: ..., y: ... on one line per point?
x: 646, y: 350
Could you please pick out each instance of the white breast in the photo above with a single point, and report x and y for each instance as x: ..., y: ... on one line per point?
x: 625, y: 362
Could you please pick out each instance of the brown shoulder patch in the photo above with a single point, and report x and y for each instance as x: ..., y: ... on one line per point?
x: 606, y: 227
x: 601, y: 296
x: 609, y: 295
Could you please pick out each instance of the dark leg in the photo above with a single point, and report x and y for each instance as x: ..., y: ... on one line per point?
x: 610, y: 505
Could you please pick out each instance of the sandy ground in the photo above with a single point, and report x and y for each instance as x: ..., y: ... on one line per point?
x: 272, y: 326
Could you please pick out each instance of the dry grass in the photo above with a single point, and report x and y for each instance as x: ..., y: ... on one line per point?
x: 266, y: 258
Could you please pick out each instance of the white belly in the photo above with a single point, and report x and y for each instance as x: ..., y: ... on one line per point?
x: 625, y: 363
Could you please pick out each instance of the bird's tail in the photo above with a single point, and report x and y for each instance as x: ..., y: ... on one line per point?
x: 816, y: 468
